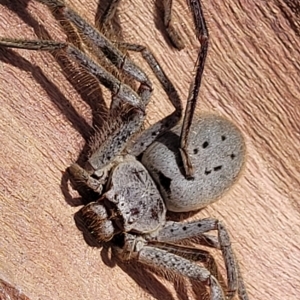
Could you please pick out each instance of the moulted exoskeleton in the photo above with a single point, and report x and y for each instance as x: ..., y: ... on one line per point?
x: 132, y: 177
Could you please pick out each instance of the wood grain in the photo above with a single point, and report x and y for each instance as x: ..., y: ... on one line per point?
x: 251, y: 77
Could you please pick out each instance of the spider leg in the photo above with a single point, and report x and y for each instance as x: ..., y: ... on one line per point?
x: 162, y: 259
x: 108, y: 14
x: 118, y: 90
x: 135, y: 72
x: 106, y: 145
x: 171, y: 31
x: 208, y: 260
x: 99, y: 41
x: 128, y: 67
x: 110, y: 141
x: 173, y: 34
x: 139, y: 144
x: 173, y: 232
x: 190, y: 253
x: 128, y: 107
x: 144, y: 252
x: 202, y: 35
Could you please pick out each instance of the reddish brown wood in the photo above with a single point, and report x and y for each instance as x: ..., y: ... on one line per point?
x: 251, y: 77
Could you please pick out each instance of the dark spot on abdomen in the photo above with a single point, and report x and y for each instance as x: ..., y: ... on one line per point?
x: 165, y: 182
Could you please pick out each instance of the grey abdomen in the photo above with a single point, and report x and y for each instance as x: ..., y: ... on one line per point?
x: 217, y: 153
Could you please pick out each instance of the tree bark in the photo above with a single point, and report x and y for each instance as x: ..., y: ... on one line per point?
x: 251, y: 77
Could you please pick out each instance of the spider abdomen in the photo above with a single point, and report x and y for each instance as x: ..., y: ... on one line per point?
x: 217, y: 153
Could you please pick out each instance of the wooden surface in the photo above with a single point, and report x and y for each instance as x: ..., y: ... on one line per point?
x: 251, y: 77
